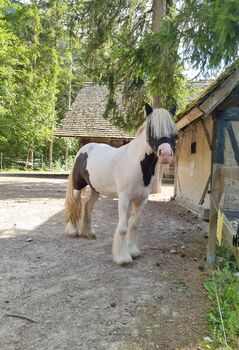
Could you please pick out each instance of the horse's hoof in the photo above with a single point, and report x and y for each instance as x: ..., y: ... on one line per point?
x: 91, y: 236
x: 127, y: 264
x: 75, y: 235
x: 134, y: 251
x: 124, y: 261
x: 88, y: 235
x: 71, y: 231
x: 135, y: 257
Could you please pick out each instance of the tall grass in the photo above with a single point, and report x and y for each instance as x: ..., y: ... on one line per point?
x: 223, y: 292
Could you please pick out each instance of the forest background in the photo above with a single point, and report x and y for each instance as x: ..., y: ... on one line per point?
x: 140, y: 49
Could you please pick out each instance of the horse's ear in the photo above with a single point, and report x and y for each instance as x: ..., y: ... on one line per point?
x: 173, y: 110
x: 148, y: 109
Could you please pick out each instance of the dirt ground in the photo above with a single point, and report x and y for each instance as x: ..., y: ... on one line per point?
x: 74, y: 297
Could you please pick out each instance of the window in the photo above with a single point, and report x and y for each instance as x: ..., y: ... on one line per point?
x: 193, y: 147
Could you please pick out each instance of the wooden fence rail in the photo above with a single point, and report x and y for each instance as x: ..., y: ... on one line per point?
x: 220, y: 224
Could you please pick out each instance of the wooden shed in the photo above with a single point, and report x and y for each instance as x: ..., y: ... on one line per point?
x: 85, y: 120
x: 208, y: 149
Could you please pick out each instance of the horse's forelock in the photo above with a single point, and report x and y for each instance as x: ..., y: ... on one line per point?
x: 161, y: 124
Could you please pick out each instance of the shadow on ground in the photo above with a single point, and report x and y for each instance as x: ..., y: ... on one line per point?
x: 76, y: 296
x: 30, y: 189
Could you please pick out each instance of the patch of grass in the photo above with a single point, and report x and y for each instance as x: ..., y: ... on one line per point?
x: 223, y: 290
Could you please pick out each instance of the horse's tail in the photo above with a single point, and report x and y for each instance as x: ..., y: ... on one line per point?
x: 72, y: 208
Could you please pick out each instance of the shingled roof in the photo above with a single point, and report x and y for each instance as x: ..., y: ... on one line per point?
x: 211, y: 97
x: 85, y: 119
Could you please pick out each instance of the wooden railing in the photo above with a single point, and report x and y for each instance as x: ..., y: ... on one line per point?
x: 220, y: 224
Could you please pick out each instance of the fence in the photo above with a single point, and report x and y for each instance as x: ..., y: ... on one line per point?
x: 6, y: 162
x: 223, y: 223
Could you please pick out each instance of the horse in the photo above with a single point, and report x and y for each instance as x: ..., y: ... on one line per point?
x: 127, y: 172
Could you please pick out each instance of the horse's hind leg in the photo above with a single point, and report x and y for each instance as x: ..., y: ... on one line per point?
x: 72, y: 211
x: 86, y: 229
x: 120, y: 248
x: 132, y: 228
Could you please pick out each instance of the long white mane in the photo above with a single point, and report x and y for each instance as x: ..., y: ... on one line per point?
x: 161, y: 124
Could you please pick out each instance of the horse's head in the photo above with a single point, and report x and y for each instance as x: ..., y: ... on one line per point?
x: 161, y: 133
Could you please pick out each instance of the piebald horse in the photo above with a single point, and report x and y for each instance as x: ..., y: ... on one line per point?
x: 127, y: 172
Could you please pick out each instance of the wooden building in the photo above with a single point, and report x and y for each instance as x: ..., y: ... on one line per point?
x: 208, y: 143
x: 85, y: 120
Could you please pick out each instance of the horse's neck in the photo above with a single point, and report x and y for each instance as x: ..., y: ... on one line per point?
x: 139, y: 146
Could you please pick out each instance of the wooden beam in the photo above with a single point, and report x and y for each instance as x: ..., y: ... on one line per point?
x: 176, y: 177
x: 228, y: 234
x: 222, y: 202
x: 214, y: 205
x: 194, y: 114
x: 205, y: 190
x: 220, y: 93
x: 209, y: 141
x: 176, y: 169
x: 233, y: 140
x: 230, y: 172
x: 212, y: 234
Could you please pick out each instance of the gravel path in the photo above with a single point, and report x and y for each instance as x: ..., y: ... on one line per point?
x: 74, y: 297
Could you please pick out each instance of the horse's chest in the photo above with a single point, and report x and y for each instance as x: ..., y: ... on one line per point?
x: 148, y: 167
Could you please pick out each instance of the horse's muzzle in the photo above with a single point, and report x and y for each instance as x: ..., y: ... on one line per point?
x: 165, y: 153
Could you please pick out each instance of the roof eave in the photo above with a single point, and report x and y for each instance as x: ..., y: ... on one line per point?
x: 206, y: 106
x: 70, y: 134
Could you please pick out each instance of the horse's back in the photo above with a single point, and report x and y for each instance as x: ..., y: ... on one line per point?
x: 101, y: 163
x: 99, y: 151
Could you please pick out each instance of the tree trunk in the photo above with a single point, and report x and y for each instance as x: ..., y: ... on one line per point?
x: 159, y: 12
x: 29, y: 159
x: 50, y: 154
x: 66, y: 154
x: 69, y: 94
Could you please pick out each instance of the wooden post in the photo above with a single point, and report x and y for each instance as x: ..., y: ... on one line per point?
x: 216, y: 184
x: 214, y: 204
x: 176, y: 169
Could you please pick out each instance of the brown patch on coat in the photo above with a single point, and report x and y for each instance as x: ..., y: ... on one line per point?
x: 80, y: 175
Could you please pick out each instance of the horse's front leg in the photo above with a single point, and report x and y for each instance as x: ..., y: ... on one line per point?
x: 133, y: 227
x: 120, y: 250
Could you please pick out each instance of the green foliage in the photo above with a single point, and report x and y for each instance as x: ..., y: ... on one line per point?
x: 226, y: 286
x: 123, y: 52
x: 38, y: 57
x: 209, y: 32
x: 49, y: 47
x: 133, y: 61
